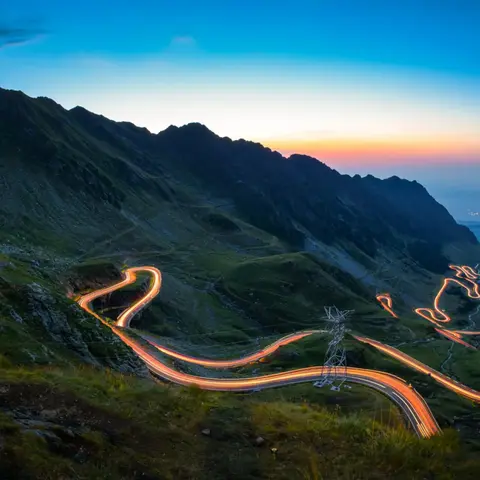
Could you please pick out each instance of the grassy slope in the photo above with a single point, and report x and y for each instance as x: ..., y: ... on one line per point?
x: 92, y: 425
x: 291, y: 286
x: 229, y: 288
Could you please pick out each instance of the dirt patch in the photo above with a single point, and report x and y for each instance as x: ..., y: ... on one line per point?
x: 38, y: 421
x: 48, y: 404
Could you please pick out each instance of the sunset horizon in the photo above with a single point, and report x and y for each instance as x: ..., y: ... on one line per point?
x: 377, y: 97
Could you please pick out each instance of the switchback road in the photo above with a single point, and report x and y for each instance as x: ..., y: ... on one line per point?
x: 467, y: 278
x: 410, y: 401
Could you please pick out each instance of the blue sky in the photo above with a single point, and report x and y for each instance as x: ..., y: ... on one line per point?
x: 437, y: 35
x: 383, y: 86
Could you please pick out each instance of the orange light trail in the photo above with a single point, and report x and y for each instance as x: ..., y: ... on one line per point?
x: 385, y: 301
x: 453, y: 385
x: 467, y: 279
x: 436, y: 315
x: 254, y: 357
x: 411, y: 402
x: 454, y: 337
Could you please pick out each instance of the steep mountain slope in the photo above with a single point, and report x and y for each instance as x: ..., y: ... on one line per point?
x: 300, y: 196
x: 294, y: 199
x: 474, y: 227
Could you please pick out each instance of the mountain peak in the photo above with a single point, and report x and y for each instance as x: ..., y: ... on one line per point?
x: 196, y: 128
x: 83, y: 112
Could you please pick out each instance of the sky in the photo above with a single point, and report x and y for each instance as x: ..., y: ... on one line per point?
x: 368, y: 86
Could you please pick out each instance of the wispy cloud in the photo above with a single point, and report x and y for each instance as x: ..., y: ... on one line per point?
x: 14, y: 36
x: 181, y: 46
x: 183, y: 41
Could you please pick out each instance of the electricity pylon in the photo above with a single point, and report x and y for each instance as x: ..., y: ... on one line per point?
x: 335, y: 357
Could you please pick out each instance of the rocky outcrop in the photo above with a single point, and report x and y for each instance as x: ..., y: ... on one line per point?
x: 64, y: 323
x: 39, y: 324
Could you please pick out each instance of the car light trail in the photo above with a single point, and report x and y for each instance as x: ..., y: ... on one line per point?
x: 124, y: 319
x: 453, y: 385
x: 254, y: 357
x: 385, y: 301
x: 410, y: 401
x: 467, y: 279
x: 454, y: 337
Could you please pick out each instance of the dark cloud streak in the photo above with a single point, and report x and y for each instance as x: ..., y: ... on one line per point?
x: 11, y: 37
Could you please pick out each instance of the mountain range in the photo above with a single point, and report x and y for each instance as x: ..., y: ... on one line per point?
x: 54, y: 157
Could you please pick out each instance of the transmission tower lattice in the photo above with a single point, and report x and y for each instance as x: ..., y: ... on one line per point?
x: 335, y: 358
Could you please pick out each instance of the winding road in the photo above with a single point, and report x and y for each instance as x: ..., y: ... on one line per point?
x: 408, y: 399
x: 385, y: 301
x: 467, y: 278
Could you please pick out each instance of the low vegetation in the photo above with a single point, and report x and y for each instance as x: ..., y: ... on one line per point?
x: 89, y: 424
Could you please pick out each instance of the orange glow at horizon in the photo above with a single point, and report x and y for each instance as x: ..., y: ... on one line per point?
x: 379, y: 150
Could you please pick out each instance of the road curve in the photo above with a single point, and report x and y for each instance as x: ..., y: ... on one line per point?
x: 410, y: 401
x: 467, y: 278
x: 464, y: 280
x: 385, y: 301
x: 254, y: 357
x: 451, y: 384
x: 129, y: 277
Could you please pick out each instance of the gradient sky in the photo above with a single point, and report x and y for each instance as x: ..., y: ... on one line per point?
x: 381, y: 86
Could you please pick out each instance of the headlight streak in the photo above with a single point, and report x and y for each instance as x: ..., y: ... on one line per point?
x: 414, y: 406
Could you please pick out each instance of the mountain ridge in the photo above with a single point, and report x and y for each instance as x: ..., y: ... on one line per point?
x: 329, y: 206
